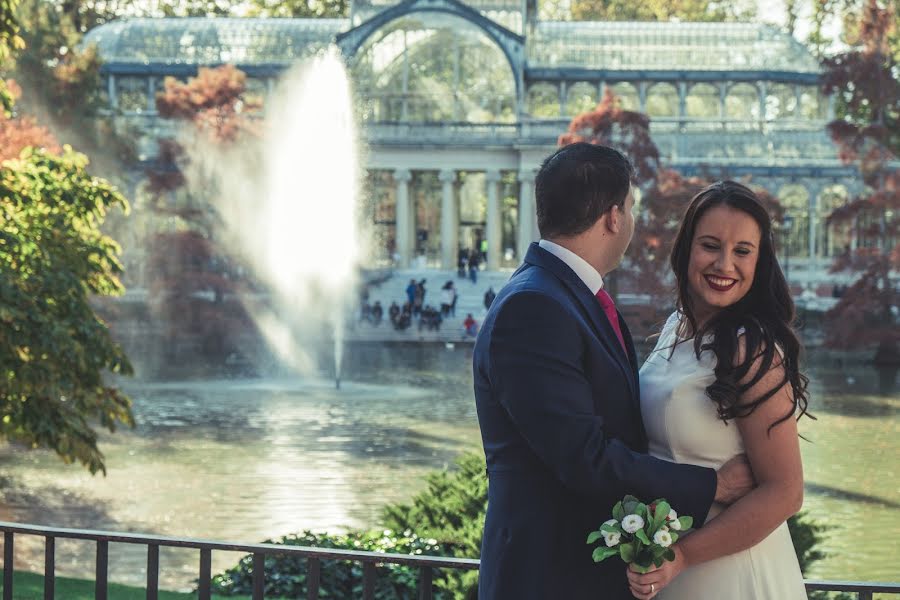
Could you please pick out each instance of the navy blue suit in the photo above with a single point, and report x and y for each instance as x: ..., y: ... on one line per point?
x: 559, y: 409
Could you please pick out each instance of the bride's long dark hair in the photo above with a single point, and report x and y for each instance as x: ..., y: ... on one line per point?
x: 765, y: 315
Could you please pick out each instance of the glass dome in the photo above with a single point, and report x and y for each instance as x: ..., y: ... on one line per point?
x: 434, y: 67
x: 626, y: 46
x: 210, y: 41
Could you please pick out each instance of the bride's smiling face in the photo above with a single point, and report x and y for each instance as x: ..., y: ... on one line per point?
x: 723, y: 258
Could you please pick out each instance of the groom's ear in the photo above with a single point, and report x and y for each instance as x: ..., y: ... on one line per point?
x: 613, y: 219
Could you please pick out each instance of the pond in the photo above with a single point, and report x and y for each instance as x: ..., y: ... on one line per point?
x: 249, y: 459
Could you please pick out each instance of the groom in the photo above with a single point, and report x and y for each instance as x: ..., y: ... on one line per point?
x: 556, y: 387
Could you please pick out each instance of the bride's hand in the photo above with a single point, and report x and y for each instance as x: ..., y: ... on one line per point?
x: 646, y: 585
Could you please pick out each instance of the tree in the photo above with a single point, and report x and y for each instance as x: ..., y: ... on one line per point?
x: 865, y: 79
x: 192, y: 274
x: 308, y: 9
x: 54, y: 350
x: 665, y: 193
x: 661, y: 10
x: 52, y: 68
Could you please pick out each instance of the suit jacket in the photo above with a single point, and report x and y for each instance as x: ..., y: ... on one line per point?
x: 559, y: 410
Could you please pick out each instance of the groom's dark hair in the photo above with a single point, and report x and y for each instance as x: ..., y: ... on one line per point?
x: 577, y: 184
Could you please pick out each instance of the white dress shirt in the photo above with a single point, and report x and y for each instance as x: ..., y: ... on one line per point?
x: 588, y: 274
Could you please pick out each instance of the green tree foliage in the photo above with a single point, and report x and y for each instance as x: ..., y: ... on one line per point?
x: 61, y: 81
x: 10, y: 41
x: 661, y: 10
x: 54, y: 350
x: 866, y: 80
x: 310, y: 9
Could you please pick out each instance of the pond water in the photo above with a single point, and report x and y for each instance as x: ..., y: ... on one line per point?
x: 248, y: 459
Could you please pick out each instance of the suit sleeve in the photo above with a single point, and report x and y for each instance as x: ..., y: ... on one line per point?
x: 537, y: 371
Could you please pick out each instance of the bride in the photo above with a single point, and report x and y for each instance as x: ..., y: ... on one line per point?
x: 724, y: 379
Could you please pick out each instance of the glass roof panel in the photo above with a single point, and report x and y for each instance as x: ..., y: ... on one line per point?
x: 666, y: 47
x: 198, y: 40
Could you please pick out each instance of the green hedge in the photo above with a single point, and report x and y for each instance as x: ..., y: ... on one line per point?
x: 445, y: 519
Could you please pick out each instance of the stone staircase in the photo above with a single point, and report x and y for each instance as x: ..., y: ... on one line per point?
x: 470, y: 300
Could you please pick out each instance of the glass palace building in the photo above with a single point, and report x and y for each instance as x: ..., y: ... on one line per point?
x: 459, y: 103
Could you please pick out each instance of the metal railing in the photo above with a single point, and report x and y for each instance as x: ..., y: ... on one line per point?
x: 314, y: 556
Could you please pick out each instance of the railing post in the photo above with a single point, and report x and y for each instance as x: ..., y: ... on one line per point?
x: 313, y: 573
x: 152, y: 572
x: 368, y: 581
x: 865, y: 595
x: 259, y: 576
x: 100, y: 581
x: 49, y: 567
x: 203, y: 589
x: 8, y: 565
x: 425, y: 583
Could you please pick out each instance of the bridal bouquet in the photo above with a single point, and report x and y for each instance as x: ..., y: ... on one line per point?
x: 639, y: 533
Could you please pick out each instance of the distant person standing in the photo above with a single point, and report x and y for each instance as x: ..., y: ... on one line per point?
x: 411, y: 292
x: 473, y: 266
x: 447, y: 297
x: 489, y: 296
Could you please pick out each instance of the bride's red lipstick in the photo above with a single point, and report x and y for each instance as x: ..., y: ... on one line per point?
x: 718, y: 286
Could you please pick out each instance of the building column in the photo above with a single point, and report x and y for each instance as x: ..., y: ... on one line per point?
x: 763, y: 91
x: 563, y: 98
x: 449, y: 220
x: 404, y: 223
x: 494, y: 231
x: 642, y: 96
x: 111, y: 90
x: 723, y: 93
x: 527, y: 213
x: 682, y: 100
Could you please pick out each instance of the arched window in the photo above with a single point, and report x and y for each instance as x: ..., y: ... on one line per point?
x: 832, y: 239
x: 781, y: 102
x: 433, y: 67
x: 662, y: 100
x: 795, y: 239
x: 812, y: 105
x: 703, y: 101
x: 581, y: 98
x: 742, y: 102
x: 628, y: 96
x: 131, y: 93
x: 543, y: 101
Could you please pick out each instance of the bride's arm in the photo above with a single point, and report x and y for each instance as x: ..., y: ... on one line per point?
x: 774, y: 455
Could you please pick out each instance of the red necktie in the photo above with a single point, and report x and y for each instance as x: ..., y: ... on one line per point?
x: 609, y: 307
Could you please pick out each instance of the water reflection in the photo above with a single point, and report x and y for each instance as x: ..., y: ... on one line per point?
x: 245, y: 460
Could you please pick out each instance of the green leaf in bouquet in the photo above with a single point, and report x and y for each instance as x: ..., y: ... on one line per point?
x: 669, y: 555
x: 612, y: 528
x: 642, y: 565
x: 594, y: 536
x: 662, y: 511
x: 674, y: 535
x: 686, y: 522
x: 618, y: 511
x: 626, y: 551
x: 602, y: 553
x: 643, y: 511
x: 630, y: 505
x: 658, y: 552
x: 629, y: 498
x: 642, y: 536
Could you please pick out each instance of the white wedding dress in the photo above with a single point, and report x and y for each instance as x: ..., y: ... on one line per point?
x: 682, y: 426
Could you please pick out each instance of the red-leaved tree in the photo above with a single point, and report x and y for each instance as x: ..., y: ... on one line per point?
x: 665, y: 196
x: 865, y: 83
x: 193, y: 276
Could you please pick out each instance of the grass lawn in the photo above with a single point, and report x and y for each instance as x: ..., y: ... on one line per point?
x: 30, y: 586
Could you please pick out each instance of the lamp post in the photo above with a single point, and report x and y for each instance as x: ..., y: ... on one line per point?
x: 787, y: 228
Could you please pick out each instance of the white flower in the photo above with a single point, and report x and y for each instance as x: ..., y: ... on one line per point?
x: 632, y: 523
x: 611, y: 539
x: 675, y: 524
x: 663, y: 538
x: 610, y: 522
x: 672, y: 515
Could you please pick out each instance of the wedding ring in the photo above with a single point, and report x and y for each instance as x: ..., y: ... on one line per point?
x: 652, y: 588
